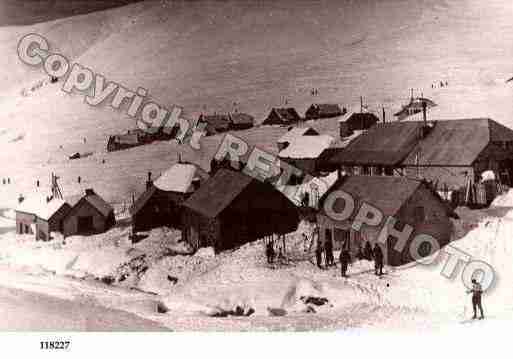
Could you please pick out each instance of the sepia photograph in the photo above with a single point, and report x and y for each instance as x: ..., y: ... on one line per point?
x: 327, y: 167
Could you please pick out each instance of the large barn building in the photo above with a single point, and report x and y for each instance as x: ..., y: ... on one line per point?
x: 409, y: 201
x: 232, y: 208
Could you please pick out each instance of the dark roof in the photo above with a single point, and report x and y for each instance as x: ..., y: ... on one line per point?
x: 288, y: 114
x: 457, y: 142
x: 142, y: 200
x: 388, y: 194
x: 364, y: 117
x: 216, y: 121
x: 241, y: 118
x: 100, y: 204
x: 324, y: 110
x: 382, y: 144
x: 218, y: 192
x: 127, y: 139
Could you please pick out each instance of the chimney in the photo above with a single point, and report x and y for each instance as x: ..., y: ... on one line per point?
x: 89, y: 192
x: 149, y: 182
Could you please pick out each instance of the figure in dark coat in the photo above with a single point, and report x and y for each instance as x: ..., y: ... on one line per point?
x: 318, y: 255
x: 345, y: 258
x: 476, y: 291
x: 330, y: 259
x: 269, y: 252
x: 367, y: 251
x: 378, y: 260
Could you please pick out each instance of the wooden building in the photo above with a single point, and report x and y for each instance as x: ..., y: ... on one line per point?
x: 357, y: 121
x: 40, y: 216
x: 323, y: 110
x: 305, y: 151
x: 89, y: 214
x: 448, y: 153
x: 293, y: 134
x: 217, y: 123
x: 409, y: 201
x: 282, y: 116
x: 241, y: 121
x: 232, y: 208
x: 160, y: 205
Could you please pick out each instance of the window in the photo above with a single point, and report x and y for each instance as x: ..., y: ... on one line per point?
x: 419, y: 214
x: 366, y: 170
x: 389, y: 171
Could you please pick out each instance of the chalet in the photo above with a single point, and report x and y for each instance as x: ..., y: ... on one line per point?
x: 232, y: 208
x: 89, y: 214
x: 215, y: 123
x: 409, y: 201
x: 323, y: 110
x: 293, y: 134
x: 241, y: 121
x: 304, y: 152
x: 160, y: 204
x: 40, y: 216
x: 282, y: 116
x: 357, y: 121
x: 449, y: 153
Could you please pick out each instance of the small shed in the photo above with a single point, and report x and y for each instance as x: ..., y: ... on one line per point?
x: 409, y: 201
x: 232, y: 208
x: 323, y: 110
x: 293, y: 134
x: 241, y: 121
x: 215, y: 123
x: 160, y: 205
x: 356, y: 121
x: 90, y: 214
x: 282, y: 116
x: 40, y: 216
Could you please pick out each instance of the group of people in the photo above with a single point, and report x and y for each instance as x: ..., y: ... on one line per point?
x: 270, y: 253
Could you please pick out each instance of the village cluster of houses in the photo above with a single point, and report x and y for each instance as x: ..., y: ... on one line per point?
x: 213, y: 124
x: 415, y: 171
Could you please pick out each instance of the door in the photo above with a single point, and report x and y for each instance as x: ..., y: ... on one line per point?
x: 85, y: 224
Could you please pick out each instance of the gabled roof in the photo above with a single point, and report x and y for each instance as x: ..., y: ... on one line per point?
x: 239, y: 118
x: 306, y: 147
x: 100, y: 204
x: 388, y: 194
x: 142, y: 199
x: 218, y: 192
x: 40, y: 207
x: 457, y: 142
x: 287, y: 115
x: 297, y: 132
x: 382, y: 144
x: 178, y: 178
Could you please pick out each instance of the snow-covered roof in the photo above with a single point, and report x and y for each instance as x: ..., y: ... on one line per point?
x: 178, y: 178
x: 294, y: 133
x: 40, y: 207
x: 307, y: 147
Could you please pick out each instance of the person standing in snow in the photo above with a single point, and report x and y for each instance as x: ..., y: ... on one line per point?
x: 345, y: 258
x: 378, y: 260
x: 476, y: 291
x: 367, y: 251
x: 318, y: 255
x: 330, y: 259
x: 269, y: 252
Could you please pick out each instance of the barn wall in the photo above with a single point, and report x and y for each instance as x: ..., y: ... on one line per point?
x: 162, y: 209
x: 42, y: 230
x: 208, y: 230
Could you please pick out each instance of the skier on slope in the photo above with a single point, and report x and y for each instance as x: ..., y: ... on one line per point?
x: 476, y: 291
x: 378, y: 260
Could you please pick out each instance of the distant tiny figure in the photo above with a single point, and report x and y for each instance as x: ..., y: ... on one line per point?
x: 3, y: 180
x: 330, y: 260
x: 446, y: 83
x: 85, y: 140
x: 318, y: 255
x: 378, y: 260
x: 103, y: 161
x: 37, y: 183
x: 269, y: 252
x: 305, y: 242
x: 367, y: 251
x: 476, y: 291
x: 9, y: 180
x: 345, y: 258
x: 441, y: 84
x: 79, y: 179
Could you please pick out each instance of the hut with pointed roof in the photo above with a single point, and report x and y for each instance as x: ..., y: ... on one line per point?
x: 282, y: 116
x: 160, y: 204
x: 232, y: 208
x: 323, y: 110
